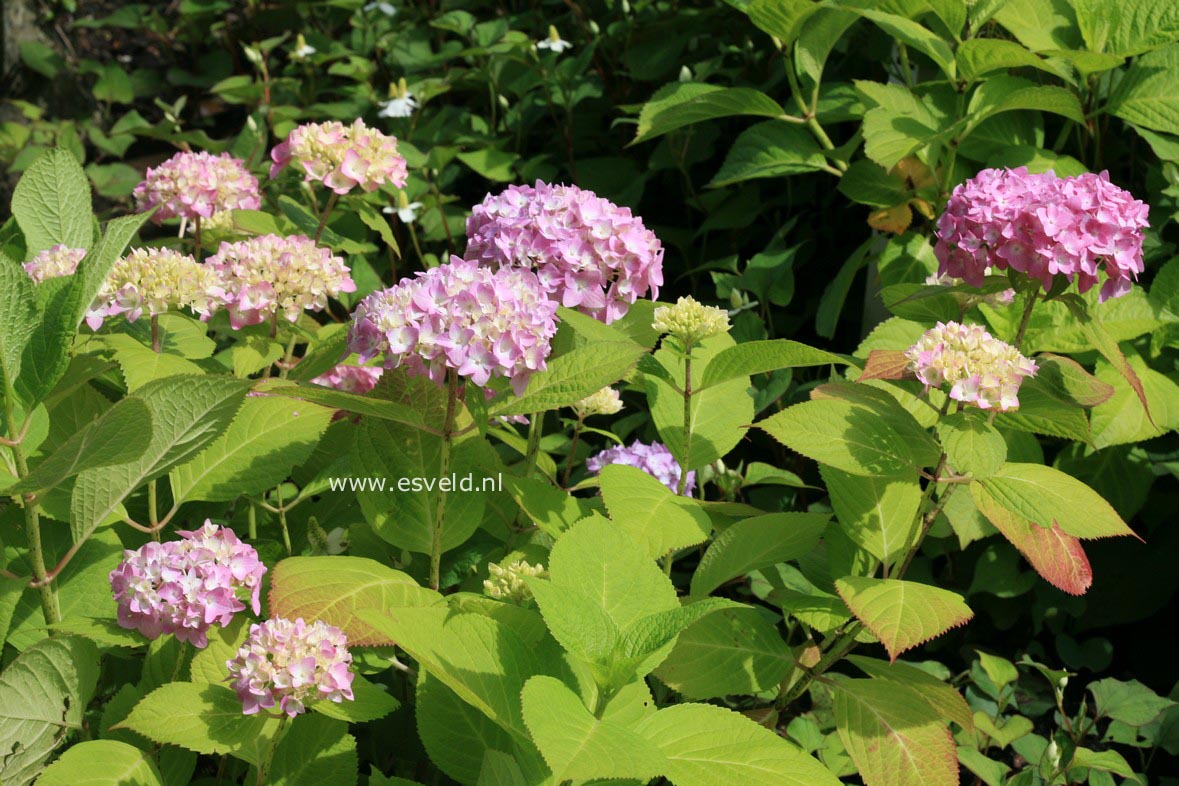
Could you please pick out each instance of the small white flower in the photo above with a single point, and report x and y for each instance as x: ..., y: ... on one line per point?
x: 554, y: 42
x: 302, y: 50
x: 685, y: 74
x: 337, y: 541
x: 398, y: 107
x: 407, y: 212
x: 388, y: 9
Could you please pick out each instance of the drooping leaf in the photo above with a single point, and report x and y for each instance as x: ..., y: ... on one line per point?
x: 757, y: 542
x: 902, y: 614
x: 1129, y: 702
x: 757, y: 357
x: 102, y: 763
x: 43, y: 694
x: 336, y: 589
x: 18, y: 320
x: 706, y: 745
x: 571, y: 377
x: 1046, y: 496
x: 892, y: 734
x: 317, y: 750
x: 684, y: 103
x: 878, y: 514
x: 770, y: 149
x: 942, y: 697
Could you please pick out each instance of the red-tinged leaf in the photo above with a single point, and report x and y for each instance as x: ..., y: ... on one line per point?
x: 1057, y: 556
x: 1067, y: 377
x: 1104, y: 343
x: 1046, y: 496
x: 885, y: 364
x: 902, y: 614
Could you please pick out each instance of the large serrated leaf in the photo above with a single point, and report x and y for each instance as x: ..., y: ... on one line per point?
x: 652, y: 514
x: 313, y: 752
x: 1046, y: 496
x: 18, y: 320
x: 51, y: 203
x: 756, y: 357
x: 684, y: 103
x: 902, y: 614
x: 757, y: 542
x: 878, y: 514
x: 336, y: 589
x: 571, y: 377
x: 102, y: 763
x: 732, y: 652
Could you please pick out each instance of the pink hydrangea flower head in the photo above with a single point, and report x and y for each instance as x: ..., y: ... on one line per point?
x: 1044, y: 226
x: 288, y: 664
x: 351, y: 379
x: 197, y: 185
x: 186, y: 586
x: 153, y: 281
x: 654, y: 459
x: 60, y: 260
x: 588, y: 253
x: 341, y: 157
x: 268, y: 275
x: 980, y: 369
x: 481, y: 322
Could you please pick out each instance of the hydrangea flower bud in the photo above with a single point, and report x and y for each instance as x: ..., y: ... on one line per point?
x: 342, y: 157
x: 1043, y: 225
x: 351, y: 379
x: 153, y: 281
x: 481, y: 322
x: 654, y: 459
x: 690, y: 321
x: 60, y: 260
x: 186, y: 586
x: 981, y: 370
x: 506, y: 582
x: 288, y: 664
x: 605, y: 402
x: 588, y: 253
x: 268, y: 275
x: 197, y: 185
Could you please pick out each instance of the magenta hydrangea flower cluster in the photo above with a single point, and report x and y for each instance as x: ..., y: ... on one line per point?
x: 268, y: 275
x: 980, y: 369
x: 60, y: 260
x: 341, y: 157
x: 197, y: 185
x: 588, y: 253
x: 1044, y: 226
x: 654, y: 459
x: 186, y: 586
x: 479, y: 321
x: 351, y: 379
x: 287, y: 664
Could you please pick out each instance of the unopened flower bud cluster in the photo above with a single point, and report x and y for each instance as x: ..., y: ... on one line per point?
x: 153, y: 281
x: 605, y: 402
x: 690, y: 321
x: 506, y: 582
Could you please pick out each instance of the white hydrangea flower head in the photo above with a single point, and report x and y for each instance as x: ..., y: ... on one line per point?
x: 980, y: 369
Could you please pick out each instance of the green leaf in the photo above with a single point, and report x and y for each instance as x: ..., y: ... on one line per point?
x: 495, y: 165
x: 478, y: 658
x: 718, y: 416
x: 920, y: 38
x: 203, y: 718
x: 102, y: 763
x: 783, y: 19
x: 1127, y: 27
x: 902, y: 614
x: 381, y: 409
x: 1131, y: 702
x: 706, y: 745
x: 315, y: 751
x: 756, y: 357
x: 1009, y: 93
x: 853, y: 437
x: 973, y: 446
x: 266, y: 438
x: 551, y: 509
x: 1046, y: 496
x: 51, y: 203
x: 1148, y: 94
x: 942, y: 698
x: 770, y: 149
x: 577, y: 745
x: 893, y: 735
x: 370, y: 702
x: 187, y: 413
x: 1122, y: 419
x: 878, y: 514
x: 755, y: 543
x: 457, y: 736
x: 119, y: 435
x: 336, y: 589
x: 1041, y: 24
x: 571, y: 377
x: 43, y: 695
x: 684, y: 103
x: 140, y: 364
x: 868, y: 183
x: 253, y: 353
x: 899, y: 125
x: 18, y: 320
x: 329, y: 349
x: 1105, y: 761
x: 731, y: 652
x: 653, y: 515
x: 981, y: 57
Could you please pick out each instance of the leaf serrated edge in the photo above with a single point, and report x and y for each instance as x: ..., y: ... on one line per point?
x: 892, y: 656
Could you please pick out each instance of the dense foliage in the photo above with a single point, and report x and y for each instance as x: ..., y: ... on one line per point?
x: 495, y: 393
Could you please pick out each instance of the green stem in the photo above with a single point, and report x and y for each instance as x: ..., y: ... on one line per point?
x: 32, y: 517
x: 683, y: 484
x: 808, y: 112
x: 152, y: 514
x: 282, y: 522
x: 252, y: 518
x: 327, y: 211
x: 533, y: 449
x: 288, y: 356
x: 1026, y: 319
x: 452, y: 394
x: 155, y: 333
x: 268, y: 762
x: 197, y: 251
x: 572, y: 453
